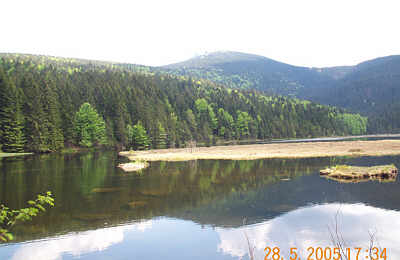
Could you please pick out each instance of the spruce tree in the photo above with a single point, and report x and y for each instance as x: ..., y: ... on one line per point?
x: 162, y: 137
x: 129, y: 133
x: 12, y: 138
x: 55, y: 138
x: 35, y: 124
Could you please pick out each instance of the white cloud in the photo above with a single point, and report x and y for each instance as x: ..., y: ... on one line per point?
x: 77, y: 243
x: 308, y: 227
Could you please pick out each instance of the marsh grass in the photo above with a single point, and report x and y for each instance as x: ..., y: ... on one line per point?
x: 355, y: 151
x: 262, y: 151
x: 355, y: 174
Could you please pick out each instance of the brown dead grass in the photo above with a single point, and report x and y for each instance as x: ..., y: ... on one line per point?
x: 347, y: 173
x: 276, y: 150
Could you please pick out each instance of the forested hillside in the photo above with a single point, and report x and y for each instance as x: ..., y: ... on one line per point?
x: 40, y: 98
x: 249, y: 71
x: 371, y: 88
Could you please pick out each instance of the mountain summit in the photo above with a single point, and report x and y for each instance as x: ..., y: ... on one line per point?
x: 249, y: 71
x: 218, y: 58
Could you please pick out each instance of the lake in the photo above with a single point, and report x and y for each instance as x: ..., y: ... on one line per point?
x: 205, y: 209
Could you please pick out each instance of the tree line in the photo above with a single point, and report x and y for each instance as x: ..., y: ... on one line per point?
x: 44, y: 102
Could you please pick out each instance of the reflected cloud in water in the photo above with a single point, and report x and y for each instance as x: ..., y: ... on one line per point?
x: 78, y: 243
x: 308, y: 227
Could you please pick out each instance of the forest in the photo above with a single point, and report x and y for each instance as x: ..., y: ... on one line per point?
x: 369, y: 88
x: 44, y: 102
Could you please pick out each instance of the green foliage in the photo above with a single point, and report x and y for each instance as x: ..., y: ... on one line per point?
x: 192, y: 123
x: 10, y: 217
x: 89, y: 127
x: 242, y: 124
x: 173, y: 110
x: 129, y: 133
x: 140, y: 140
x: 355, y: 123
x: 11, y: 121
x: 201, y: 107
x: 247, y: 71
x: 369, y: 88
x: 226, y: 124
x: 41, y: 111
x: 161, y: 140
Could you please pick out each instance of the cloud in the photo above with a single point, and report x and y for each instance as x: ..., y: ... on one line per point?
x: 308, y: 227
x: 77, y: 243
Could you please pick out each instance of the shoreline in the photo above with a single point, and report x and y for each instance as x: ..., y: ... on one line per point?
x: 4, y: 155
x: 271, y: 150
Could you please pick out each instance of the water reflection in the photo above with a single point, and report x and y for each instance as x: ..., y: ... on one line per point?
x: 167, y: 238
x: 90, y: 191
x: 308, y: 227
x: 92, y: 194
x: 77, y: 244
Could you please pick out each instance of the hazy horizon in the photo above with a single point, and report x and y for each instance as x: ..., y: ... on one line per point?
x: 308, y: 33
x: 196, y: 55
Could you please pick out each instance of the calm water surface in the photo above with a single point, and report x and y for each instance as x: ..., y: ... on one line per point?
x: 193, y: 210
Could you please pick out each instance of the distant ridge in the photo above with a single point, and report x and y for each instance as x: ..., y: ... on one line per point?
x: 371, y: 87
x: 250, y: 71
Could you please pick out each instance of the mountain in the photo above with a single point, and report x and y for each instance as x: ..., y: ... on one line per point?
x: 41, y: 95
x: 371, y: 88
x: 367, y: 87
x: 335, y: 73
x: 248, y: 71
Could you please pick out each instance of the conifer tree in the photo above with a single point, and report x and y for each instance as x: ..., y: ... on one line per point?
x: 51, y: 91
x: 162, y: 137
x: 36, y: 131
x: 12, y: 138
x: 129, y: 133
x: 55, y: 138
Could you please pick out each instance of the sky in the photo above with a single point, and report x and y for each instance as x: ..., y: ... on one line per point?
x: 312, y: 33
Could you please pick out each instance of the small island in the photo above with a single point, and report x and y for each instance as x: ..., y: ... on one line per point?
x: 347, y: 173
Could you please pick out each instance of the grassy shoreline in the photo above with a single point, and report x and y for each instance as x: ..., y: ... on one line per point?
x: 274, y: 150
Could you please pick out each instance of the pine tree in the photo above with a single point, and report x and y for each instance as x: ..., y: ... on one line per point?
x: 12, y: 138
x: 36, y: 131
x: 50, y: 91
x: 192, y: 124
x: 161, y: 140
x: 129, y: 133
x: 55, y: 138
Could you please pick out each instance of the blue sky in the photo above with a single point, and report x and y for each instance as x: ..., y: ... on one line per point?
x: 313, y: 33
